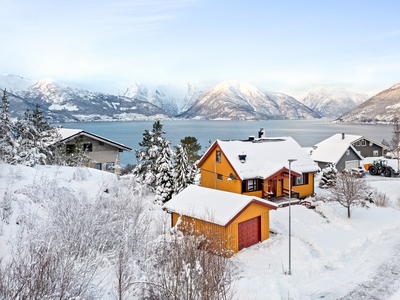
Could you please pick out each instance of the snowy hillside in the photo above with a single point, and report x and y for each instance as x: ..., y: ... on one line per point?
x: 333, y: 102
x: 85, y: 213
x: 235, y: 100
x: 381, y: 108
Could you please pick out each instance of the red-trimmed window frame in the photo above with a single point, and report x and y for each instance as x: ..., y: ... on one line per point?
x: 219, y: 177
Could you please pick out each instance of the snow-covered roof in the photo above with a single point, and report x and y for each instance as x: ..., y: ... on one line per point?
x: 348, y: 139
x: 266, y: 156
x: 332, y: 149
x: 68, y: 134
x: 214, y: 206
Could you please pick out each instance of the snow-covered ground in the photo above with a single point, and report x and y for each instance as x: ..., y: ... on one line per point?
x: 333, y: 257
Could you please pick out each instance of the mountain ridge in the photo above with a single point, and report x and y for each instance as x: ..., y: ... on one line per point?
x: 236, y: 100
x: 333, y: 102
x: 381, y: 108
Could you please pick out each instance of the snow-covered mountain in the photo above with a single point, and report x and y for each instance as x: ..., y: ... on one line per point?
x: 65, y: 103
x: 236, y: 100
x: 173, y: 99
x: 381, y: 108
x: 333, y: 102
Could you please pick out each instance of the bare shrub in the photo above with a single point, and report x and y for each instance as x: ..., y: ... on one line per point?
x: 38, y: 270
x: 6, y: 208
x: 379, y: 198
x: 187, y: 267
x: 349, y: 191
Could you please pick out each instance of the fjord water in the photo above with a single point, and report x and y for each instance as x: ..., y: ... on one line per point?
x: 306, y: 132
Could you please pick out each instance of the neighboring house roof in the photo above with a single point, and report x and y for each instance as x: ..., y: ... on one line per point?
x: 332, y: 149
x: 264, y: 156
x: 213, y: 206
x: 69, y: 134
x: 350, y: 139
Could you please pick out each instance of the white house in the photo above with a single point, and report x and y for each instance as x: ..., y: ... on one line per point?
x: 103, y: 152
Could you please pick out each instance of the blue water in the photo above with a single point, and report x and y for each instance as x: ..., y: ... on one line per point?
x: 305, y: 132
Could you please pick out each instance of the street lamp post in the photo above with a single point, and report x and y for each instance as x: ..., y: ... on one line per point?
x: 290, y: 215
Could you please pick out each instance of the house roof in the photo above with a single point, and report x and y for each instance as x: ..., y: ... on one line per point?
x: 349, y: 138
x: 264, y: 156
x: 332, y: 149
x: 214, y: 206
x: 69, y: 134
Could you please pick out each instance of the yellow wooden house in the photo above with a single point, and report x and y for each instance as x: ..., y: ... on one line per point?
x: 232, y: 221
x: 258, y: 167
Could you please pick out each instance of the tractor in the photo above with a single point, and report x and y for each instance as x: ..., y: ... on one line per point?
x: 380, y: 167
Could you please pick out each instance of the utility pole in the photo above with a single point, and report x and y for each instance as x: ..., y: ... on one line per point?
x: 290, y: 215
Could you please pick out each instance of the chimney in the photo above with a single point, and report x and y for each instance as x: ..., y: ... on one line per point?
x: 251, y: 138
x: 261, y: 133
x: 242, y: 158
x: 343, y: 136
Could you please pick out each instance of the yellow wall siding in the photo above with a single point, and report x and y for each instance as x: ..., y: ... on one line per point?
x: 255, y: 194
x: 306, y: 189
x: 226, y: 238
x: 209, y: 170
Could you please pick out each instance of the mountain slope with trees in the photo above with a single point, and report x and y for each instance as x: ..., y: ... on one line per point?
x: 381, y: 108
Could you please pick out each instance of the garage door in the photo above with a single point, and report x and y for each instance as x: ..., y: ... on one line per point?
x: 351, y: 164
x: 249, y: 232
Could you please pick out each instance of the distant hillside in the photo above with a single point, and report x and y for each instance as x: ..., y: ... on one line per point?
x: 381, y: 108
x: 333, y: 102
x: 236, y: 100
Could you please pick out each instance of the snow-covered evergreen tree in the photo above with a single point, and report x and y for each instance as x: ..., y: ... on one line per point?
x: 183, y: 170
x: 164, y: 176
x: 27, y: 153
x: 73, y: 155
x: 148, y: 155
x: 328, y: 178
x: 7, y: 141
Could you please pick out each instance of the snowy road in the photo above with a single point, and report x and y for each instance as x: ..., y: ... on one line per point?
x: 383, y: 284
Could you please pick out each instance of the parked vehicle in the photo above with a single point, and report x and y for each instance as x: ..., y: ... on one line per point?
x: 379, y: 167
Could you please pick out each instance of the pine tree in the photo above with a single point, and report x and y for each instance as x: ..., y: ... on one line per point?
x: 183, y: 170
x: 164, y: 176
x: 328, y: 178
x: 8, y: 144
x: 192, y: 148
x: 148, y: 155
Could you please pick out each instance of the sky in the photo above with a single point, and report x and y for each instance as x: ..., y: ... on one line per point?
x: 283, y: 46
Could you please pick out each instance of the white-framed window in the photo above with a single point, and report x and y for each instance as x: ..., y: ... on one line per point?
x: 375, y: 153
x: 109, y: 166
x: 348, y: 152
x: 251, y: 185
x: 300, y: 180
x: 219, y: 177
x: 218, y: 156
x: 363, y: 143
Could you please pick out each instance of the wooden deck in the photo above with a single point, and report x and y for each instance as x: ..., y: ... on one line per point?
x: 283, y: 201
